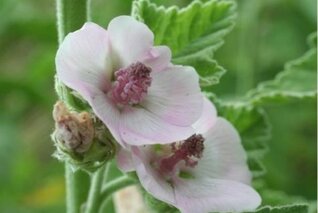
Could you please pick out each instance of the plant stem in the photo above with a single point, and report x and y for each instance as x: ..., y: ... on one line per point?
x: 71, y: 15
x: 75, y: 189
x: 115, y: 185
x: 247, y: 45
x: 93, y: 200
x: 107, y: 206
x: 111, y: 187
x: 106, y: 172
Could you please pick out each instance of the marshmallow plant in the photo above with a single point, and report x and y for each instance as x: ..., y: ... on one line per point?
x: 137, y: 107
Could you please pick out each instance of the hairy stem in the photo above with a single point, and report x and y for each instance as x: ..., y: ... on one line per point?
x: 115, y: 185
x: 71, y: 15
x: 76, y: 189
x: 93, y: 200
x: 247, y: 54
x: 107, y: 206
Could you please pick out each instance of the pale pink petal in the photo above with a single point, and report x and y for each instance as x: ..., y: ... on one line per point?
x: 158, y: 58
x: 140, y: 127
x: 215, y: 195
x: 130, y: 40
x: 149, y: 178
x: 108, y: 113
x: 223, y: 155
x: 207, y: 118
x: 83, y: 62
x: 175, y: 96
x: 124, y: 160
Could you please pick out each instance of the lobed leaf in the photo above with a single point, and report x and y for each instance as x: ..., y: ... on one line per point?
x: 297, y: 208
x: 297, y: 81
x: 193, y: 33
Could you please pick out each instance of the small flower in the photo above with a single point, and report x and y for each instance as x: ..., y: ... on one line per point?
x: 130, y: 84
x: 205, y: 173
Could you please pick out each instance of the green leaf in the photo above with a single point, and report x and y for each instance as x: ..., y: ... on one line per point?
x: 274, y: 198
x: 297, y: 81
x: 279, y: 198
x: 208, y: 69
x: 297, y: 208
x: 255, y: 165
x: 253, y: 126
x: 193, y: 33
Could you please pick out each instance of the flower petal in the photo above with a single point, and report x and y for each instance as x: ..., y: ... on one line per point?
x: 215, y: 195
x: 140, y: 127
x: 124, y: 160
x: 223, y: 155
x: 108, y: 113
x: 130, y: 40
x: 158, y: 58
x: 83, y: 62
x: 174, y: 96
x: 149, y: 179
x: 207, y: 119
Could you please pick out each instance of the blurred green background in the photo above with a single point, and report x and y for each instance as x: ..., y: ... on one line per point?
x: 268, y: 34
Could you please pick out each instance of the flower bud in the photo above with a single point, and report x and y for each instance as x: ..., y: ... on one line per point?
x: 80, y: 140
x: 74, y: 131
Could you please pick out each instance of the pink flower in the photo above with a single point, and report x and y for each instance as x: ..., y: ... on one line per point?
x: 130, y: 84
x: 205, y: 173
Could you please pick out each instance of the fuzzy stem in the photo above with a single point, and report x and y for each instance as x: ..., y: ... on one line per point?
x: 115, y: 185
x: 93, y: 200
x: 71, y: 15
x: 247, y: 54
x: 107, y: 206
x: 76, y: 189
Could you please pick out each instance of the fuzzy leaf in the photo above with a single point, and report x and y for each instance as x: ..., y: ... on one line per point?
x: 297, y: 208
x: 193, y: 33
x: 297, y: 81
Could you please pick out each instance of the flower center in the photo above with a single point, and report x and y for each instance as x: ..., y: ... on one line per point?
x: 131, y: 84
x: 189, y: 151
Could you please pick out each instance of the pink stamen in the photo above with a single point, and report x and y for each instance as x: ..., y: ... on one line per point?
x: 191, y: 147
x: 131, y: 84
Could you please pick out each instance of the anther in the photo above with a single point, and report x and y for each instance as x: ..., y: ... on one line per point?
x: 131, y: 84
x: 189, y: 151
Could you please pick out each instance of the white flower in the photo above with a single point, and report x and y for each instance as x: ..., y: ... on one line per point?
x: 204, y: 173
x: 129, y: 83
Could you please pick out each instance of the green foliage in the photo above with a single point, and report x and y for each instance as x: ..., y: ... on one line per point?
x: 276, y: 198
x: 297, y: 81
x: 193, y: 33
x: 297, y: 208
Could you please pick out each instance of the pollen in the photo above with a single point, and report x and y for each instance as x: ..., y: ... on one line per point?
x: 131, y: 84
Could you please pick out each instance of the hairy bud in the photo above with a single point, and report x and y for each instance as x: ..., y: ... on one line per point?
x: 80, y: 140
x: 74, y: 131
